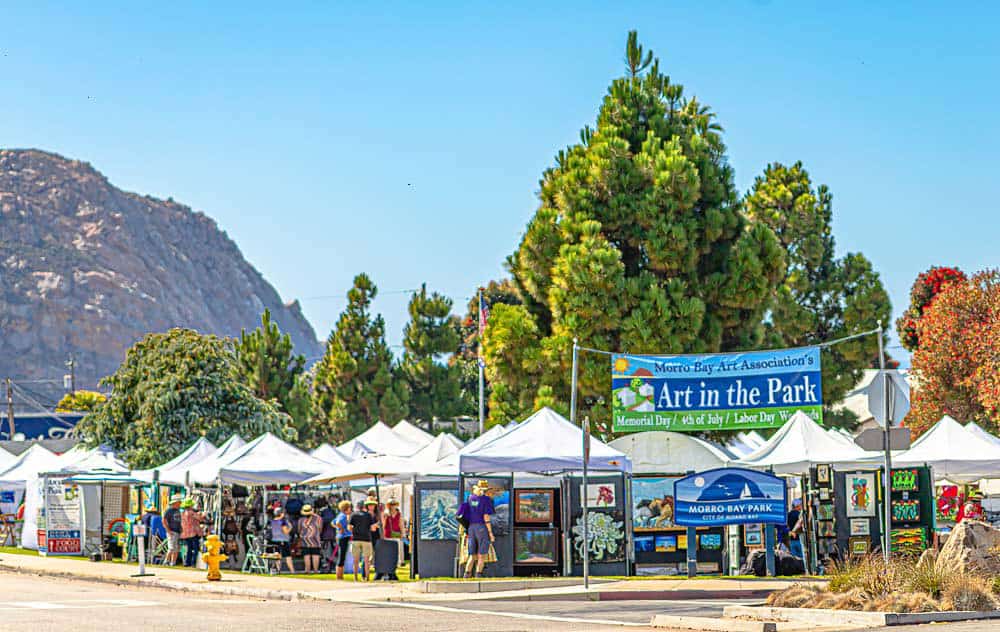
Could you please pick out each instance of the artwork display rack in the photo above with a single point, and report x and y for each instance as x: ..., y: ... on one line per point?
x: 913, y: 508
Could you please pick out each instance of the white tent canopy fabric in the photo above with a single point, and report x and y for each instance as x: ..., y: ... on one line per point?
x: 7, y: 459
x: 448, y: 466
x: 174, y: 471
x: 800, y: 444
x: 101, y: 458
x: 29, y: 465
x: 978, y: 430
x: 389, y: 466
x: 412, y: 433
x: 330, y: 455
x: 954, y: 452
x: 354, y: 449
x: 269, y: 460
x: 443, y: 446
x: 382, y: 440
x: 206, y: 472
x: 545, y: 442
x: 662, y: 452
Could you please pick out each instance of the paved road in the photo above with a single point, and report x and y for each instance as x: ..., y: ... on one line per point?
x: 41, y: 604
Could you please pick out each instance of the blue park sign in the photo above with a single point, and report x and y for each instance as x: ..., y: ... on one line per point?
x: 729, y: 496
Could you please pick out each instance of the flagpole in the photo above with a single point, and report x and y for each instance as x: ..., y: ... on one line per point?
x: 482, y: 382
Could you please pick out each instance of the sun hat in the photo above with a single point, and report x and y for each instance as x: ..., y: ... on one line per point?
x: 371, y: 501
x: 391, y: 502
x: 187, y: 503
x: 481, y: 486
x: 307, y: 510
x: 176, y: 498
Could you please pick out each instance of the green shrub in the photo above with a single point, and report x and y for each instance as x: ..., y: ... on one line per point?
x: 926, y: 578
x: 968, y: 592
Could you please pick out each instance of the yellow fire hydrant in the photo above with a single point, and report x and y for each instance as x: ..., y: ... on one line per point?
x: 213, y: 557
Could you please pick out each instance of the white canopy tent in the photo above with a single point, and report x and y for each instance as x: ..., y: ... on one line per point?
x: 372, y: 466
x: 448, y: 466
x: 662, y: 452
x: 27, y: 467
x: 381, y: 439
x: 269, y: 460
x: 978, y: 430
x: 800, y: 444
x: 955, y: 453
x: 544, y: 443
x: 7, y: 459
x: 101, y: 458
x: 206, y: 472
x: 354, y: 449
x: 412, y: 433
x: 174, y: 471
x: 330, y: 455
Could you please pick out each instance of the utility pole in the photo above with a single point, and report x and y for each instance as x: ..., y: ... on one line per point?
x: 72, y: 374
x: 10, y: 408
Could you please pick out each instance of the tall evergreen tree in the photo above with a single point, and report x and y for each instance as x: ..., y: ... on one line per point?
x: 267, y: 362
x: 638, y: 244
x: 821, y: 297
x: 354, y: 385
x: 430, y: 336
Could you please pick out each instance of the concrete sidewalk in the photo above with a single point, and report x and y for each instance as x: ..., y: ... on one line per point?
x: 291, y: 588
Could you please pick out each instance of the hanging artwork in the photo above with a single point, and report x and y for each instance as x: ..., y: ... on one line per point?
x: 534, y: 546
x: 599, y: 495
x: 905, y: 480
x: 606, y: 534
x: 437, y: 514
x: 823, y: 474
x: 653, y: 499
x: 753, y: 535
x: 859, y: 546
x: 860, y: 526
x: 710, y: 541
x: 533, y: 505
x: 905, y: 510
x: 499, y: 491
x: 908, y: 541
x: 824, y: 512
x: 826, y: 529
x: 644, y: 544
x: 948, y: 503
x: 666, y: 544
x: 682, y: 542
x: 860, y: 494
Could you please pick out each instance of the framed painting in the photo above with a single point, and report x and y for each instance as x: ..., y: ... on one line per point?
x: 859, y: 491
x: 823, y: 474
x: 859, y: 545
x: 860, y: 527
x: 826, y: 529
x: 753, y: 535
x: 653, y: 500
x: 535, y: 546
x: 824, y: 511
x: 437, y: 514
x: 534, y: 505
x: 499, y: 491
x: 599, y: 495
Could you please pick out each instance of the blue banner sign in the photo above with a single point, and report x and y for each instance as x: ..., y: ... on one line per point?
x: 722, y: 391
x: 730, y: 496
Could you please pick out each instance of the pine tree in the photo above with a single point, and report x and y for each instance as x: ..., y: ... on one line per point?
x: 821, y: 298
x: 638, y: 244
x: 430, y: 336
x: 354, y: 385
x: 267, y: 363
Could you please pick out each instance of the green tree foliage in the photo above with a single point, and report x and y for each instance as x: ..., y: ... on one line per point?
x: 430, y: 336
x: 80, y: 402
x: 466, y: 358
x: 268, y: 365
x: 172, y: 388
x: 638, y: 244
x: 821, y: 298
x: 354, y: 384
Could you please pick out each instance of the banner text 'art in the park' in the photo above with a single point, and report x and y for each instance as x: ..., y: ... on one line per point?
x: 724, y: 391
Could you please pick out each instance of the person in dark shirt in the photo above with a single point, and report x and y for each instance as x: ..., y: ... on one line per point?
x: 478, y: 511
x: 794, y: 525
x: 172, y: 523
x: 362, y: 524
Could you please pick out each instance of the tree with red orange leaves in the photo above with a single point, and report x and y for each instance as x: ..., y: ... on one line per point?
x: 958, y: 359
x: 928, y: 285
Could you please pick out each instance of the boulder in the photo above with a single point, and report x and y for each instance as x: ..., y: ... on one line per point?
x: 973, y: 546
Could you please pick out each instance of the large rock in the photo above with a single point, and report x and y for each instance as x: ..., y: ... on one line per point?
x: 972, y: 546
x: 88, y: 269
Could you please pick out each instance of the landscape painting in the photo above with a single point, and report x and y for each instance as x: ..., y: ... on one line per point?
x: 533, y: 505
x: 437, y: 514
x: 535, y: 546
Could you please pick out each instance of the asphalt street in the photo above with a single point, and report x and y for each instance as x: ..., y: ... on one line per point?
x: 39, y: 604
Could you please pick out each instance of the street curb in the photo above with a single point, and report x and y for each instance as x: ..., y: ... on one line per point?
x: 711, y: 625
x: 164, y: 584
x: 491, y: 586
x: 831, y: 618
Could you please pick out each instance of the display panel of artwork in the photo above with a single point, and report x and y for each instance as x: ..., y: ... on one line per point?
x: 599, y: 495
x: 535, y: 546
x: 644, y: 544
x: 823, y: 474
x: 859, y: 545
x: 654, y: 503
x: 753, y: 535
x: 826, y: 529
x: 905, y: 480
x: 710, y: 541
x: 948, y: 503
x: 908, y: 541
x: 682, y: 542
x: 533, y: 505
x: 860, y: 526
x: 499, y: 491
x: 860, y: 494
x: 606, y: 535
x: 666, y: 544
x: 905, y: 510
x: 437, y: 514
x: 824, y: 512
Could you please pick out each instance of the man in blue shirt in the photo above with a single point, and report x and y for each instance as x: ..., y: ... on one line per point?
x: 477, y: 510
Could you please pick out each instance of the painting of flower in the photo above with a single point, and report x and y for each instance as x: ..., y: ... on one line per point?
x: 606, y: 538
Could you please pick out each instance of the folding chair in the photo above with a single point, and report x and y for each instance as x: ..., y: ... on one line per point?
x: 257, y: 560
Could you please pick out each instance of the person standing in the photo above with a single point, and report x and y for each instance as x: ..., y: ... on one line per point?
x: 191, y: 531
x: 361, y: 541
x: 281, y: 537
x: 342, y: 524
x: 172, y: 524
x: 794, y: 525
x: 392, y: 529
x: 310, y: 528
x: 478, y: 511
x: 327, y: 534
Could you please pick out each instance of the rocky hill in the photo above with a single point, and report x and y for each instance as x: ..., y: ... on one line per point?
x: 88, y: 269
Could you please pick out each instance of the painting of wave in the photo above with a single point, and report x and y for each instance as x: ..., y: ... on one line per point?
x: 437, y: 514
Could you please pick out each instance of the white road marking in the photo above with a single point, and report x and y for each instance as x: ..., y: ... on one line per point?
x: 512, y: 615
x: 77, y: 604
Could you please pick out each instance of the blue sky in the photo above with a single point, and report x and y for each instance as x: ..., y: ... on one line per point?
x: 407, y: 139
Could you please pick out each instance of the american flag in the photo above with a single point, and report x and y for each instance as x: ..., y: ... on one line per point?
x: 484, y: 314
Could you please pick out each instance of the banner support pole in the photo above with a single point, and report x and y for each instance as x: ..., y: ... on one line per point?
x: 583, y: 495
x: 886, y: 490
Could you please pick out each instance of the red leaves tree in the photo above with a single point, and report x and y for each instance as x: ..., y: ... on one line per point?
x: 958, y: 359
x: 928, y: 285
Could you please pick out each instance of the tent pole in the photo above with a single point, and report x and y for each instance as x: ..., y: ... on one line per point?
x: 583, y: 499
x: 887, y: 496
